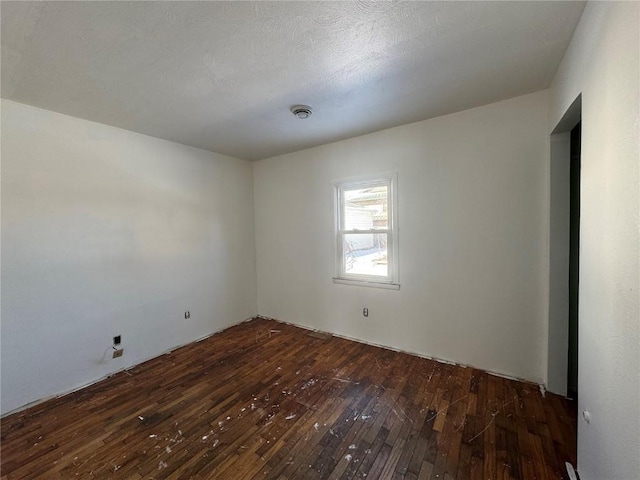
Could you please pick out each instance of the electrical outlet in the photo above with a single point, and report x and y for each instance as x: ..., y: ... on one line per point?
x: 365, y: 312
x: 118, y: 352
x: 117, y: 340
x: 187, y: 314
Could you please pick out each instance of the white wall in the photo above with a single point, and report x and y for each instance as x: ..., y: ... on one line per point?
x: 473, y: 215
x: 108, y: 232
x: 602, y: 64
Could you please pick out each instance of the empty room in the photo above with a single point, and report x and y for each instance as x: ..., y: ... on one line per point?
x: 320, y: 240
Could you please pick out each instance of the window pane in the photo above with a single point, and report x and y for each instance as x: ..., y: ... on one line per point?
x: 365, y: 254
x: 366, y: 208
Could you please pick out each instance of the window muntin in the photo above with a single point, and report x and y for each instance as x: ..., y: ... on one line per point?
x: 366, y: 231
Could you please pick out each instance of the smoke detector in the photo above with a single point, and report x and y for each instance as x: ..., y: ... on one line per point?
x: 301, y: 111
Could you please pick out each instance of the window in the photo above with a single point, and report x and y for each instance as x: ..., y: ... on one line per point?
x: 367, y: 232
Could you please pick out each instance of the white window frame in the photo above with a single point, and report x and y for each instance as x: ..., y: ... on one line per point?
x: 391, y: 281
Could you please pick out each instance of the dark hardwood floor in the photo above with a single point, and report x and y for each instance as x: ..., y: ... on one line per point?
x: 265, y: 400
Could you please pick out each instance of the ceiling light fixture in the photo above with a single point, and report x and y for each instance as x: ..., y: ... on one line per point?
x: 301, y: 111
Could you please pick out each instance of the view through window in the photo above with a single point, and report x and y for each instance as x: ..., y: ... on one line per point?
x: 365, y: 231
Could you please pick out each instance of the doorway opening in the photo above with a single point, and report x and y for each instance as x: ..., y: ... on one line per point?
x: 564, y: 255
x: 574, y: 260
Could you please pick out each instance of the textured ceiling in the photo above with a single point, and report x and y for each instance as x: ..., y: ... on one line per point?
x: 222, y: 75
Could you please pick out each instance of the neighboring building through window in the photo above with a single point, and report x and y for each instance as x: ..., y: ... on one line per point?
x: 366, y: 231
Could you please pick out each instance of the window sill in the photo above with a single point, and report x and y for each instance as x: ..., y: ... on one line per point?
x: 363, y: 283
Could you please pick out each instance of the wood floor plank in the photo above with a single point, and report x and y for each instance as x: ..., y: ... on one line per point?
x: 265, y: 401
